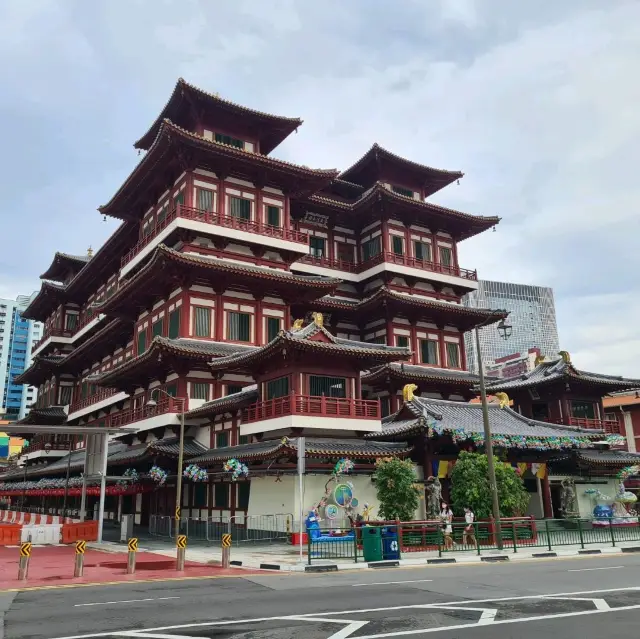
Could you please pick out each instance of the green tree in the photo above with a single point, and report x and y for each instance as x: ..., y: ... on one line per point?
x: 470, y: 487
x: 396, y: 489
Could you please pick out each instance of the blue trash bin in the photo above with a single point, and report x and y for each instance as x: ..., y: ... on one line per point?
x: 390, y: 545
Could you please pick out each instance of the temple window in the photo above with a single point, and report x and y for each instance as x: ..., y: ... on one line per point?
x: 243, y: 439
x: 222, y: 439
x: 244, y: 488
x: 240, y: 207
x: 317, y: 246
x: 65, y: 395
x: 385, y: 406
x: 174, y: 324
x: 402, y: 340
x: 429, y: 351
x: 345, y: 252
x: 201, y: 321
x: 238, y: 327
x: 583, y: 410
x: 277, y: 388
x: 172, y: 390
x: 221, y: 495
x: 273, y: 216
x: 446, y: 256
x: 231, y: 141
x: 162, y: 213
x: 453, y: 355
x: 371, y: 248
x: 328, y: 386
x: 381, y: 339
x: 142, y: 342
x: 199, y: 495
x: 199, y: 390
x: 233, y: 388
x: 178, y: 199
x: 402, y: 191
x: 204, y: 199
x: 397, y: 244
x: 273, y: 327
x: 422, y: 250
x: 71, y: 322
x: 157, y: 328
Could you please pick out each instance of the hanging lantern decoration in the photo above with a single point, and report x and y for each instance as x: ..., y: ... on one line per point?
x: 158, y: 475
x: 132, y: 477
x: 236, y: 468
x: 195, y: 473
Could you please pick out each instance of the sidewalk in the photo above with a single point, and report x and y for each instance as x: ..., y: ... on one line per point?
x: 53, y: 566
x: 285, y: 557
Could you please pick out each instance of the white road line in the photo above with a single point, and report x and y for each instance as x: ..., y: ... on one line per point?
x: 388, y: 583
x: 124, y: 601
x: 588, y: 569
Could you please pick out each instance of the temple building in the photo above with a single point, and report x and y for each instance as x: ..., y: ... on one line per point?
x: 253, y: 302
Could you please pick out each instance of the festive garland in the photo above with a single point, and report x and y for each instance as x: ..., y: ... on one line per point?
x: 133, y: 476
x: 628, y: 471
x: 158, y: 475
x: 236, y: 468
x: 195, y: 473
x: 343, y: 467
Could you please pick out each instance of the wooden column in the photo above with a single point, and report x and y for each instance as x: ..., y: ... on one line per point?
x: 546, y: 496
x: 219, y: 332
x: 259, y: 321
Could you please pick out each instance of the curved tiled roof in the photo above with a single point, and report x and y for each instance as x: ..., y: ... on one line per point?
x: 562, y: 370
x: 164, y: 254
x: 314, y: 446
x: 49, y: 293
x: 418, y: 373
x: 54, y: 415
x: 234, y: 401
x: 278, y: 126
x: 43, y: 364
x: 465, y: 421
x: 170, y: 134
x: 61, y: 261
x: 303, y: 339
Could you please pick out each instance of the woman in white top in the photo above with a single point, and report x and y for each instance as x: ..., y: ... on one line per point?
x: 469, y: 537
x: 446, y: 515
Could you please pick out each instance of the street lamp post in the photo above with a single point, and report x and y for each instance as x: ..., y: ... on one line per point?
x: 152, y: 403
x: 47, y: 449
x: 505, y: 332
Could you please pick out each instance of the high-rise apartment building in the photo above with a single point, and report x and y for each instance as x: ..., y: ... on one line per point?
x: 17, y: 336
x: 532, y: 315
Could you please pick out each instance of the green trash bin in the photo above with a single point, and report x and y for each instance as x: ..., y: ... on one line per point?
x: 371, y: 543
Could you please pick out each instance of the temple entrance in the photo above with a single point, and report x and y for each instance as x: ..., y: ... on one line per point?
x: 540, y: 411
x: 556, y: 500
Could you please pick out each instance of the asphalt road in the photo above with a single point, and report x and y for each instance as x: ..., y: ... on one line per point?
x: 589, y: 598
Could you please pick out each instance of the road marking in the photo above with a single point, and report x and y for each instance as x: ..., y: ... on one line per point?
x: 487, y: 617
x: 587, y: 569
x: 388, y: 583
x: 109, y: 603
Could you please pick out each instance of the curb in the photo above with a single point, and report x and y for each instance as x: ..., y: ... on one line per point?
x: 590, y: 552
x: 451, y: 560
x: 329, y: 568
x: 542, y: 555
x: 269, y: 566
x: 631, y: 549
x: 496, y: 559
x: 384, y: 564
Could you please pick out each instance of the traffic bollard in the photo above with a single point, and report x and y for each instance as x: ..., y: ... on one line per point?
x: 181, y: 543
x: 132, y: 544
x: 78, y: 567
x: 23, y: 564
x: 226, y: 550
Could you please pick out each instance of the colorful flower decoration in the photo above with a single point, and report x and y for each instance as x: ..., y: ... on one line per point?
x: 132, y: 477
x: 343, y: 467
x: 158, y: 475
x: 195, y: 473
x: 236, y: 468
x: 628, y: 471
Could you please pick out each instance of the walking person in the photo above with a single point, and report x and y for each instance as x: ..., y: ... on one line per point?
x: 469, y: 536
x: 446, y: 516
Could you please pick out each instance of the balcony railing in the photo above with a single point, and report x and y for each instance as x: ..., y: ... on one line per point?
x: 217, y: 219
x: 131, y: 415
x: 37, y: 445
x: 92, y: 399
x: 608, y: 425
x: 390, y: 257
x: 52, y: 332
x: 312, y: 407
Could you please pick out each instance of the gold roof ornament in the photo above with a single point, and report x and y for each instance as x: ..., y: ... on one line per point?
x: 565, y: 356
x: 407, y: 392
x: 503, y: 400
x: 89, y: 252
x: 539, y: 360
x: 318, y: 319
x: 297, y: 325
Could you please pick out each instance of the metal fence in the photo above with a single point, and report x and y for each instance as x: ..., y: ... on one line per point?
x: 514, y: 535
x: 244, y: 529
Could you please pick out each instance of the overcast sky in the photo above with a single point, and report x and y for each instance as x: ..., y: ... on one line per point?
x: 537, y: 102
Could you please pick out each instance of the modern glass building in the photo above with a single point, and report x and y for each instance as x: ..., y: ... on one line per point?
x: 532, y: 315
x: 17, y: 336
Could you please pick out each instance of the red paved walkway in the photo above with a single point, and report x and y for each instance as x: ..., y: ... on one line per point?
x: 53, y: 566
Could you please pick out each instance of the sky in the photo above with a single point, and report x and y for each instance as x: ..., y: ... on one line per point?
x: 535, y: 101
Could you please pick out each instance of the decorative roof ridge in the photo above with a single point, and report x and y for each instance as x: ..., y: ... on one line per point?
x: 182, y: 83
x: 375, y: 147
x: 99, y: 333
x: 247, y: 393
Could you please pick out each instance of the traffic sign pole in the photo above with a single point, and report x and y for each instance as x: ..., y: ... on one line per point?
x: 181, y: 543
x: 78, y: 569
x: 23, y: 564
x: 132, y: 545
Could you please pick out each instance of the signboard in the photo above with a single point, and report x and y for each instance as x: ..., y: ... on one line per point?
x: 316, y: 219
